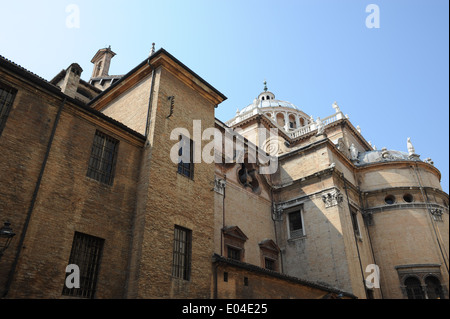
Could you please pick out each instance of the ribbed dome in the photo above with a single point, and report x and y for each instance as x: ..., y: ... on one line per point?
x: 268, y: 103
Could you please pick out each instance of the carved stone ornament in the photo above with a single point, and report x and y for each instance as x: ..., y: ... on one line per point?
x: 437, y: 214
x: 332, y: 198
x: 342, y: 147
x: 219, y: 185
x: 354, y: 153
x: 320, y: 127
x: 385, y: 154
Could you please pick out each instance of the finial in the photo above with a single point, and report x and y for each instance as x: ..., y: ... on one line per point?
x: 153, y: 48
x: 265, y: 86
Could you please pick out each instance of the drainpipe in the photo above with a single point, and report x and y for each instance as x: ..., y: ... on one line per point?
x: 223, y: 216
x: 33, y: 201
x: 274, y: 219
x: 354, y: 236
x: 425, y: 199
x: 150, y: 98
x: 364, y: 203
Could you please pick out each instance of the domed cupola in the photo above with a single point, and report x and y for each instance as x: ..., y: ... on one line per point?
x: 266, y: 95
x: 283, y: 114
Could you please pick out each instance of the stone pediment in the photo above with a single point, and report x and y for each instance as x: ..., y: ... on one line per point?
x: 234, y: 231
x: 269, y: 244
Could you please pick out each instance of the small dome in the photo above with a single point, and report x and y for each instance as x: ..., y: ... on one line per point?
x: 383, y: 156
x: 267, y: 99
x: 268, y: 103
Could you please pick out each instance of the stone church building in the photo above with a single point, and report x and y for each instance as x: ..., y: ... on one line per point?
x: 127, y: 186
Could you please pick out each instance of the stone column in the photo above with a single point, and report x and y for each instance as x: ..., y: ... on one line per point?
x: 297, y: 121
x: 286, y: 121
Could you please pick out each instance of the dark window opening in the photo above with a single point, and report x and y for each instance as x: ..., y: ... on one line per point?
x: 234, y: 253
x: 182, y: 253
x: 6, y: 100
x: 295, y: 224
x: 86, y: 253
x: 186, y: 157
x: 434, y: 288
x: 408, y: 198
x: 269, y: 264
x: 103, y: 158
x: 413, y: 288
x: 245, y: 281
x: 389, y: 199
x: 225, y: 277
x: 355, y: 224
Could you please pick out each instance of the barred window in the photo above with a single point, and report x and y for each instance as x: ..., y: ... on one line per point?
x: 7, y: 95
x: 269, y: 264
x: 182, y: 253
x: 234, y: 253
x: 103, y: 158
x: 186, y: 157
x: 414, y: 289
x: 86, y: 253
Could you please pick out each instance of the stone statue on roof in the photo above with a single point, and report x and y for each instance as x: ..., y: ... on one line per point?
x: 411, y: 149
x: 320, y: 126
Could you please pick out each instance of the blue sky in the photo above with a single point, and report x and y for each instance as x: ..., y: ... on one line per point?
x: 392, y: 81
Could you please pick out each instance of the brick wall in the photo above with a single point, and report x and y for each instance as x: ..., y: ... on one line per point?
x: 67, y: 200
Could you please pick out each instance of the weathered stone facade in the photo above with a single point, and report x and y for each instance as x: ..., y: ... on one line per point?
x: 333, y: 207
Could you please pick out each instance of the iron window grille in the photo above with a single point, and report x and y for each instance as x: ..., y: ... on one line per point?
x: 86, y: 254
x: 234, y: 253
x: 7, y: 96
x: 414, y: 289
x: 186, y: 157
x: 103, y: 158
x: 181, y: 267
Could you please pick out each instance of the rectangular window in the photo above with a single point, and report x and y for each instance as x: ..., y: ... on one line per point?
x: 181, y: 267
x: 6, y: 100
x: 354, y: 215
x: 269, y: 264
x: 186, y: 157
x: 234, y: 253
x: 103, y: 158
x: 295, y: 224
x: 86, y: 253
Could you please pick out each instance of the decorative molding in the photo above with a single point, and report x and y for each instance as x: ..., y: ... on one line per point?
x: 332, y: 198
x: 437, y: 214
x: 219, y: 185
x: 280, y: 207
x: 387, y: 207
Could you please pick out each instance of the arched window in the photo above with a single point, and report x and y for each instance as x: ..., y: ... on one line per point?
x: 302, y: 122
x: 413, y: 288
x: 434, y: 288
x: 280, y: 119
x: 292, y: 122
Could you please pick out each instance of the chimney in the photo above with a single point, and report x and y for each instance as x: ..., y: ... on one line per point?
x: 102, y: 61
x: 71, y: 80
